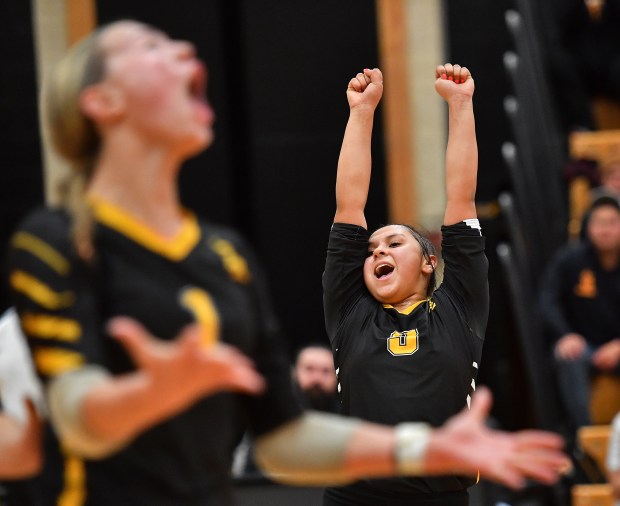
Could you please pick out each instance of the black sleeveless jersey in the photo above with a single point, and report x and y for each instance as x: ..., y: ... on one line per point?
x: 206, y: 274
x: 415, y: 365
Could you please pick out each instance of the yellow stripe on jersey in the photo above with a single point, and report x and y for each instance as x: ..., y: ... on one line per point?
x: 39, y: 292
x: 53, y: 361
x: 200, y: 304
x: 74, y: 489
x: 174, y: 248
x: 234, y: 263
x: 51, y: 327
x: 407, y: 310
x: 43, y: 251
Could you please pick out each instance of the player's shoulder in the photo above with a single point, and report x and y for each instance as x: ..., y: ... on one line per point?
x: 46, y: 224
x: 214, y: 231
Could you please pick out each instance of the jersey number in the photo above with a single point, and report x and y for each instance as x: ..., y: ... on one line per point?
x: 403, y: 343
x: 200, y: 304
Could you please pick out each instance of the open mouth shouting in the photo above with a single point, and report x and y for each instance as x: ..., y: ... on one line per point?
x: 383, y: 271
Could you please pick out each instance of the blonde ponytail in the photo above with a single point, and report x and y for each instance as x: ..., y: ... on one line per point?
x: 73, y: 134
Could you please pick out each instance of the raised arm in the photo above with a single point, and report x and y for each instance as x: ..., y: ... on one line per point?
x: 354, y: 165
x: 456, y: 86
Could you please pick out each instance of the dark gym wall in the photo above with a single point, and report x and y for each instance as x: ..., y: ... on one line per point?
x: 21, y: 180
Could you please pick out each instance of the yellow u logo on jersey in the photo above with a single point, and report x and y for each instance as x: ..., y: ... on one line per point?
x: 403, y: 343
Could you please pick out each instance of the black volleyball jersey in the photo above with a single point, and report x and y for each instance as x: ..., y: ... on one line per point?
x: 206, y: 274
x: 416, y: 365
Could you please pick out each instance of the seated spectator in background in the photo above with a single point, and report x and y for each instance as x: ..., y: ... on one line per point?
x: 580, y: 303
x: 587, y: 44
x: 610, y: 181
x: 314, y: 381
x: 315, y: 378
x: 613, y: 457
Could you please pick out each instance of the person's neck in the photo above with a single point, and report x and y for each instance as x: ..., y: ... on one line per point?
x: 142, y: 181
x: 409, y: 301
x: 609, y: 259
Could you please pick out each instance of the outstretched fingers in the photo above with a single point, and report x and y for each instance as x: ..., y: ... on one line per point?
x: 481, y: 403
x: 241, y: 376
x: 133, y: 336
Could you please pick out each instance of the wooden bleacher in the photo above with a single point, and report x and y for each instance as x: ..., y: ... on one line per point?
x: 601, y: 146
x: 594, y: 441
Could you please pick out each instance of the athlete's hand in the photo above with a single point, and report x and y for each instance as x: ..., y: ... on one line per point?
x: 570, y: 346
x: 607, y: 356
x: 365, y: 89
x: 21, y: 453
x: 464, y: 444
x: 454, y: 82
x: 186, y: 367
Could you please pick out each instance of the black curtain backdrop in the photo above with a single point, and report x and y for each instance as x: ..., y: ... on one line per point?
x: 21, y: 179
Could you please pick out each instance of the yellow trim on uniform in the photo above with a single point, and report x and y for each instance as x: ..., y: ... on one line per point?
x: 74, y: 490
x: 39, y: 292
x: 43, y: 251
x: 407, y: 310
x: 234, y: 263
x: 53, y: 361
x: 51, y: 327
x: 200, y: 304
x: 174, y: 248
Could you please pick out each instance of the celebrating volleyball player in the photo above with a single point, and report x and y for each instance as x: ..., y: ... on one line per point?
x: 405, y: 351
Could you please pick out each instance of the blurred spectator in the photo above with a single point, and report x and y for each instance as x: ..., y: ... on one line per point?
x: 587, y: 43
x: 579, y: 302
x: 613, y: 457
x: 315, y: 378
x: 314, y: 381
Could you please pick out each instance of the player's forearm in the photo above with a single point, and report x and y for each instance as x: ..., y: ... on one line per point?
x: 325, y: 449
x: 96, y: 414
x: 354, y: 167
x: 122, y: 407
x: 461, y: 161
x: 371, y: 452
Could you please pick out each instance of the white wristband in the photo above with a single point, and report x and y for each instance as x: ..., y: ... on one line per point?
x: 411, y: 442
